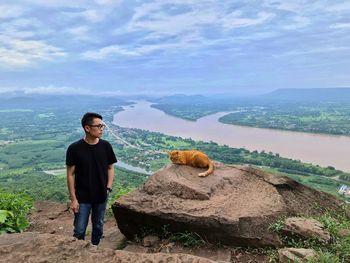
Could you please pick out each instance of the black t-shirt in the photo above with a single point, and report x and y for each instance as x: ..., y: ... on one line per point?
x: 91, y: 166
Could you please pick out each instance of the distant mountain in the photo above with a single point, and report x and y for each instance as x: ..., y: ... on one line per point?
x: 312, y: 95
x: 181, y: 99
x: 216, y: 99
x: 34, y: 101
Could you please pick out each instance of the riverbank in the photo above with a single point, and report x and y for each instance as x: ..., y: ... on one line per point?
x: 323, y: 150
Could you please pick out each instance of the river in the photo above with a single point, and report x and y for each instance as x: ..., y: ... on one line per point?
x: 320, y: 149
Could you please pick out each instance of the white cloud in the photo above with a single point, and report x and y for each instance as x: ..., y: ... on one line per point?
x: 153, y: 18
x: 96, y: 14
x: 297, y: 23
x: 236, y: 19
x: 56, y: 3
x: 57, y: 90
x: 312, y: 51
x: 341, y: 26
x: 80, y: 32
x: 9, y: 11
x: 185, y: 43
x: 341, y: 7
x: 45, y: 90
x: 294, y: 6
x: 109, y: 51
x: 51, y: 89
x: 93, y: 16
x: 109, y: 2
x: 25, y: 52
x: 180, y: 30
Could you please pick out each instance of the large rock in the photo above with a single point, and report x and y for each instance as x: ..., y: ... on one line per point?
x: 295, y: 255
x: 234, y: 206
x: 36, y: 247
x: 306, y: 227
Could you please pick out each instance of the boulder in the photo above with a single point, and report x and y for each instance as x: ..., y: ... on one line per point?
x: 38, y: 247
x: 233, y: 206
x: 287, y: 255
x: 306, y: 227
x: 150, y: 241
x: 344, y: 232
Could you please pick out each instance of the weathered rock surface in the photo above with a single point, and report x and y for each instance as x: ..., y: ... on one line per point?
x: 344, y: 232
x: 150, y: 241
x: 306, y: 227
x: 215, y: 254
x: 54, y: 218
x: 33, y: 247
x: 233, y: 206
x: 287, y: 255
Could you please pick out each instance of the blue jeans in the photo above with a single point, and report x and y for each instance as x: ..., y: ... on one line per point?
x: 81, y: 220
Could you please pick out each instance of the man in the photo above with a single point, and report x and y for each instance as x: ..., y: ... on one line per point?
x: 90, y: 174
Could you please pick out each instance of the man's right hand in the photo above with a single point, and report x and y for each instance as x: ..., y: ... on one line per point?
x: 74, y: 206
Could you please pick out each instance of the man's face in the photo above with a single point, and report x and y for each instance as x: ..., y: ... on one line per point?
x: 96, y: 128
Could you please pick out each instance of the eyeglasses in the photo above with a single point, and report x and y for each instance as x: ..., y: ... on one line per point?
x: 100, y: 126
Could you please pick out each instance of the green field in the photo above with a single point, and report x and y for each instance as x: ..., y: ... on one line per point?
x: 33, y: 145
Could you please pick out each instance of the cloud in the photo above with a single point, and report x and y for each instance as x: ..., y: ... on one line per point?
x: 51, y: 89
x: 45, y: 90
x: 15, y: 52
x: 189, y: 42
x: 294, y: 6
x: 55, y: 3
x: 155, y: 18
x: 58, y: 90
x: 297, y: 23
x: 109, y: 51
x: 9, y: 11
x: 340, y: 7
x: 176, y: 37
x: 178, y: 25
x: 109, y: 2
x: 80, y: 32
x: 236, y: 20
x: 93, y: 16
x: 340, y: 26
x: 313, y: 51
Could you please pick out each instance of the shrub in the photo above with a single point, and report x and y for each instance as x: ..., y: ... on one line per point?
x: 14, y: 208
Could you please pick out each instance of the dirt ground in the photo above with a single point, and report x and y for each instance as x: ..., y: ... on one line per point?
x: 54, y: 218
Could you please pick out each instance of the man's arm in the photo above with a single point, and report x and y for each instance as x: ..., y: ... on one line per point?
x: 74, y: 205
x: 110, y: 175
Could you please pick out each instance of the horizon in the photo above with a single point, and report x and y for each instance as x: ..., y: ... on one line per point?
x: 166, y: 47
x: 34, y: 93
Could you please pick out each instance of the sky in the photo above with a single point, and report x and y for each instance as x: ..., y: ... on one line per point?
x: 122, y: 47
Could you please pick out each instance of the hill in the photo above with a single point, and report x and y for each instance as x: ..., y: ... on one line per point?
x: 334, y: 95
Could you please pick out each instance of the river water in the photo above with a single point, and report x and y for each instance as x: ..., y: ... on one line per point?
x: 318, y: 149
x: 132, y: 168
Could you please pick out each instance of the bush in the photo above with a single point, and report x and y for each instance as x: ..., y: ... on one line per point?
x: 13, y: 212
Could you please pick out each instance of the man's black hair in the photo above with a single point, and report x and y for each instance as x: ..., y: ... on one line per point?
x: 89, y: 117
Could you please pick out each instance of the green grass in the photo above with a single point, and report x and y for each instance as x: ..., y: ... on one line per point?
x: 325, y: 184
x: 174, y: 144
x: 338, y: 250
x: 186, y: 238
x: 159, y: 163
x: 13, y: 212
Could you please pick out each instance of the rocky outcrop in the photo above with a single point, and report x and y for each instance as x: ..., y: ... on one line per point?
x: 234, y: 206
x: 287, y: 255
x: 307, y: 228
x: 35, y: 247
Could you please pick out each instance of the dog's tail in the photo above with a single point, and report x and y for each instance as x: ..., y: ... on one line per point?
x: 209, y: 171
